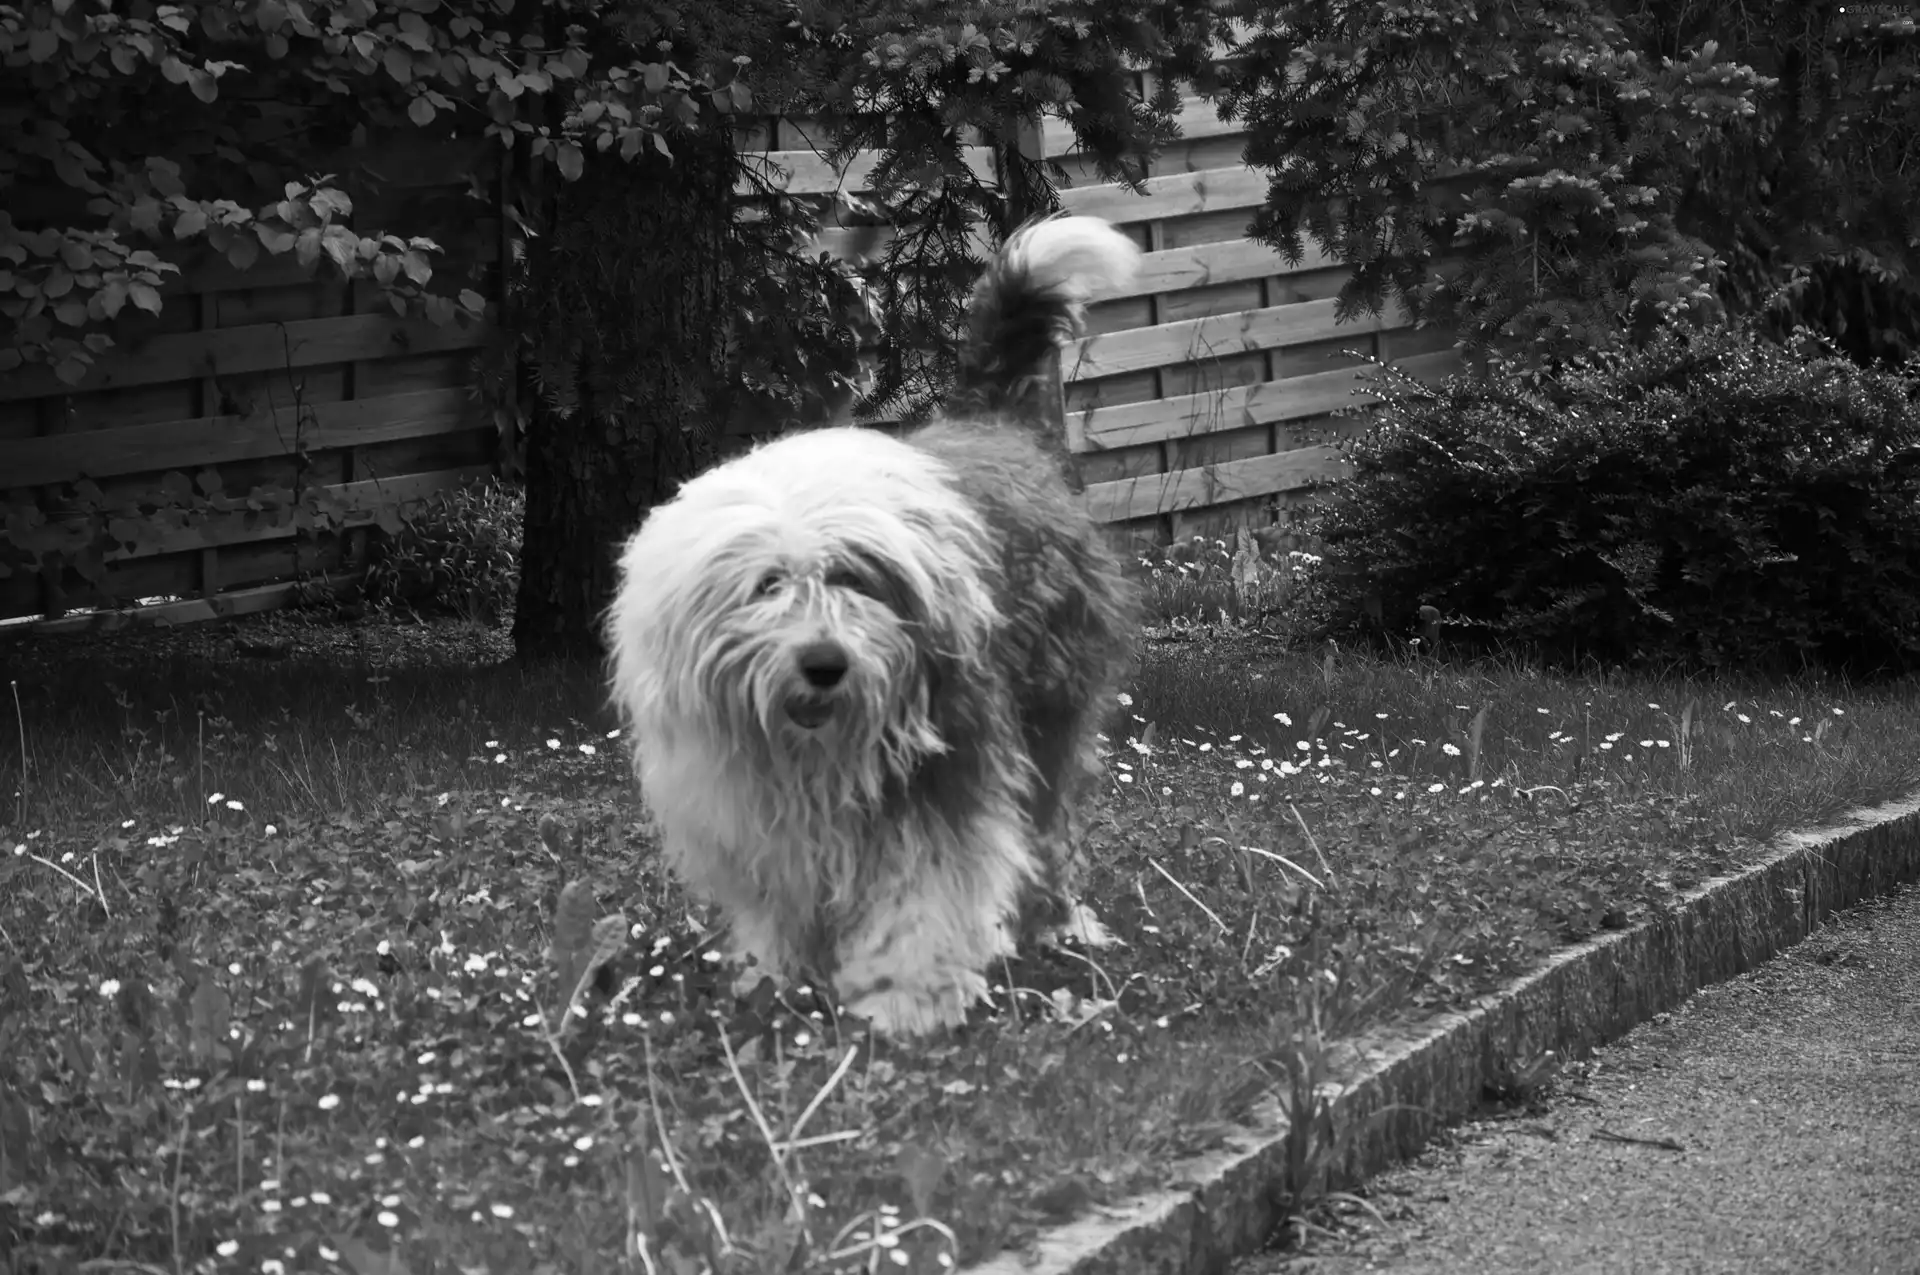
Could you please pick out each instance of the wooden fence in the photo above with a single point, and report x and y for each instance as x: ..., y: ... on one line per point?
x: 1204, y: 399
x: 1201, y: 400
x: 273, y: 389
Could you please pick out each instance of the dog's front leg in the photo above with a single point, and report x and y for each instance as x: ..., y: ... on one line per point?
x: 757, y: 944
x: 891, y: 978
x: 915, y: 962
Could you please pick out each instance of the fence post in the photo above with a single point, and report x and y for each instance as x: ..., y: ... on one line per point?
x: 52, y: 416
x: 207, y: 397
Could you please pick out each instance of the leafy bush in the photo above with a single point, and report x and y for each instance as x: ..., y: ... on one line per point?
x: 1713, y: 499
x: 457, y: 553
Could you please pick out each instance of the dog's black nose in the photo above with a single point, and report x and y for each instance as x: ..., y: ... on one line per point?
x: 823, y: 664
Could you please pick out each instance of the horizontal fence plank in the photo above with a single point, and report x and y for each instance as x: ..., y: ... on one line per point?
x: 1175, y: 195
x: 363, y: 502
x: 410, y: 160
x: 809, y: 173
x: 1151, y: 495
x: 414, y: 411
x: 265, y: 597
x: 1218, y: 335
x: 262, y: 347
x: 184, y: 444
x: 862, y: 245
x: 1207, y: 264
x: 1240, y: 406
x: 854, y: 244
x: 1196, y: 119
x: 1170, y: 270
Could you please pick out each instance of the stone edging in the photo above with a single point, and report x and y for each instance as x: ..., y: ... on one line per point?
x: 1584, y: 996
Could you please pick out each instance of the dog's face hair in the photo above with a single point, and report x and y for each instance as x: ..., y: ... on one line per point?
x: 809, y: 628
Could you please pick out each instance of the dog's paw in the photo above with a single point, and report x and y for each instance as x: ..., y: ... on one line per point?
x: 918, y: 1011
x: 1082, y: 923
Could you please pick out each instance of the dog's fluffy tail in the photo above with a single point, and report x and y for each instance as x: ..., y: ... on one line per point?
x: 1033, y: 298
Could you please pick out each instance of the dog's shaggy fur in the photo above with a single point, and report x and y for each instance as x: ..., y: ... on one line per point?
x: 865, y: 675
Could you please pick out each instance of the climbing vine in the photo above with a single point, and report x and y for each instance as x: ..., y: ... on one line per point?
x: 88, y: 523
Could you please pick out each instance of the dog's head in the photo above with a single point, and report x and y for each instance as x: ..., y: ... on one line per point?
x: 804, y: 604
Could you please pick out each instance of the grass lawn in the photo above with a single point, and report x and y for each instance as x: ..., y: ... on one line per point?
x: 280, y: 942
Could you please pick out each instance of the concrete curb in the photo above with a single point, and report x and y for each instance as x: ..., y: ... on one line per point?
x: 1396, y: 1089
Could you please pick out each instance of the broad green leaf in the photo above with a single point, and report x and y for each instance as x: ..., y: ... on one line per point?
x: 366, y: 1261
x: 342, y: 247
x: 648, y: 1186
x: 328, y: 203
x: 164, y: 174
x: 211, y: 1013
x: 573, y: 938
x: 243, y: 252
x: 145, y: 214
x: 920, y: 1170
x: 306, y: 249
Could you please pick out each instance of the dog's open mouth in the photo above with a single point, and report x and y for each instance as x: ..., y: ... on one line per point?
x: 809, y: 714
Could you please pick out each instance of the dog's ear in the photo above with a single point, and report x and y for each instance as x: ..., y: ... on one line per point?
x: 964, y: 706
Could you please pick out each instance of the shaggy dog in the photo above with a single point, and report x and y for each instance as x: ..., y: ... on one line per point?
x: 865, y: 675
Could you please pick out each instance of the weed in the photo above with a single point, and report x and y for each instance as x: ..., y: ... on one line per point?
x: 1201, y: 583
x: 456, y: 553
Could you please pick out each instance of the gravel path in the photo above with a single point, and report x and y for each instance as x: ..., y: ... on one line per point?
x: 1781, y: 1119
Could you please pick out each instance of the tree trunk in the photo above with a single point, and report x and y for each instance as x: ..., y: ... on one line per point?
x: 625, y: 305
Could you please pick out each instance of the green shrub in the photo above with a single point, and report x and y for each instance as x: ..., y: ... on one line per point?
x: 1711, y: 500
x: 456, y: 553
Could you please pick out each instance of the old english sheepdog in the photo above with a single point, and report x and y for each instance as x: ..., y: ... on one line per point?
x: 865, y: 675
